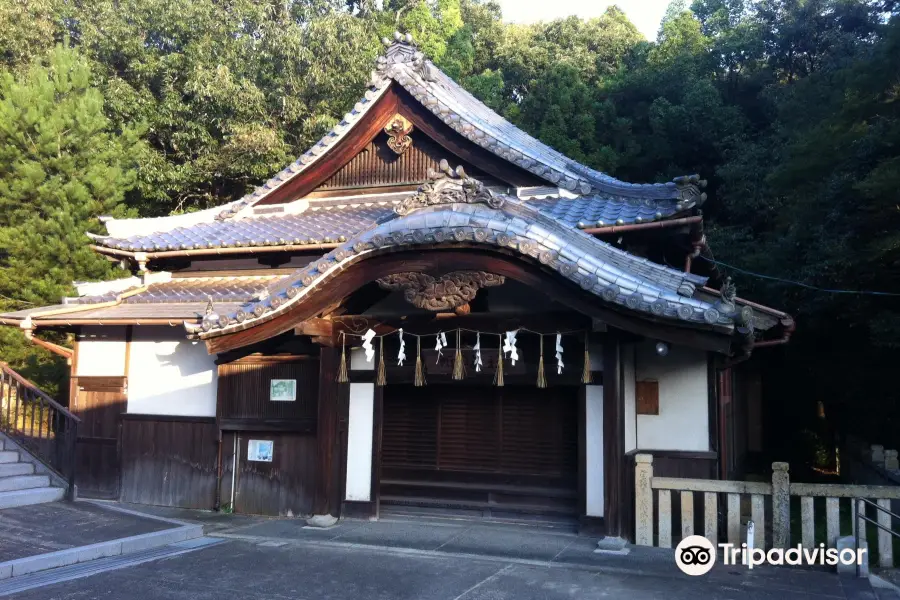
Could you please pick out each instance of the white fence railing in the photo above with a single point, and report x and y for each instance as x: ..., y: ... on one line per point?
x: 654, y: 515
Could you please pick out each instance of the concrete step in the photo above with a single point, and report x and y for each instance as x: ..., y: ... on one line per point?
x: 9, y: 456
x: 13, y: 469
x: 23, y: 482
x: 32, y: 496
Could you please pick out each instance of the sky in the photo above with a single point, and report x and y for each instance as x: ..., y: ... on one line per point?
x: 645, y: 14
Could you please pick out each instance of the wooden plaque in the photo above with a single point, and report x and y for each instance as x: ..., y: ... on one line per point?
x: 647, y: 397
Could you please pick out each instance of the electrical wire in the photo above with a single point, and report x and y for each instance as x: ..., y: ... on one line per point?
x: 797, y: 283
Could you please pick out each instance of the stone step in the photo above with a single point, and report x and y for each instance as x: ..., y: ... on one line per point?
x: 23, y: 482
x: 8, y: 456
x: 13, y: 469
x: 32, y: 496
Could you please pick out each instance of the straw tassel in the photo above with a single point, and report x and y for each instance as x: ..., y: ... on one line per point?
x: 380, y: 379
x: 419, y: 379
x: 459, y: 371
x: 541, y: 378
x: 342, y: 369
x: 498, y: 376
x: 586, y: 373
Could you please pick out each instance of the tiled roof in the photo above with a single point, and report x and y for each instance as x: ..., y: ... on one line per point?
x: 451, y: 210
x: 337, y: 223
x: 597, y: 211
x: 193, y: 289
x: 176, y: 299
x: 176, y: 311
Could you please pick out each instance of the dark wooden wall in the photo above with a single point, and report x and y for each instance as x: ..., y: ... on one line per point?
x: 244, y: 393
x: 377, y: 165
x: 99, y: 403
x: 285, y: 486
x: 507, y: 431
x: 169, y: 461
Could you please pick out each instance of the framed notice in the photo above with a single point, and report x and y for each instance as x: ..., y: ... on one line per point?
x: 283, y: 390
x: 260, y: 450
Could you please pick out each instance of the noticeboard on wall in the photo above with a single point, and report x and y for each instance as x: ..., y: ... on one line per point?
x: 282, y: 390
x: 260, y: 450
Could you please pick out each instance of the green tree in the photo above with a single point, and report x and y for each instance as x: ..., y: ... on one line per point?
x: 62, y: 164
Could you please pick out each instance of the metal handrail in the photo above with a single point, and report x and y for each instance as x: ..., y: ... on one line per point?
x: 859, y: 515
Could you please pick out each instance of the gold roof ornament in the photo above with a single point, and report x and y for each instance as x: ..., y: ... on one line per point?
x: 398, y: 130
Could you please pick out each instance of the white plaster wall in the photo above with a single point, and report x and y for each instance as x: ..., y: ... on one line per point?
x: 101, y: 352
x: 358, y: 360
x: 628, y: 388
x: 594, y: 450
x: 359, y: 442
x: 683, y: 399
x: 170, y: 375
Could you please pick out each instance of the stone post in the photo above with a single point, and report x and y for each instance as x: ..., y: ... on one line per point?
x: 781, y: 505
x: 890, y: 460
x: 878, y: 454
x: 643, y: 500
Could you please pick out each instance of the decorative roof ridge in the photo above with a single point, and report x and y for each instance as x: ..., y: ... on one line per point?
x: 404, y: 63
x: 125, y: 228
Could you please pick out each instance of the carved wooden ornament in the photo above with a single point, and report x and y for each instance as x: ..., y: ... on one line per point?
x: 398, y: 130
x: 446, y: 292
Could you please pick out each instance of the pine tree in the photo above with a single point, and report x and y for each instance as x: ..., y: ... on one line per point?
x: 61, y: 166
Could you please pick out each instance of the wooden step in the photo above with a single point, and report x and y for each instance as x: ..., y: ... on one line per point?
x: 470, y: 505
x: 512, y: 490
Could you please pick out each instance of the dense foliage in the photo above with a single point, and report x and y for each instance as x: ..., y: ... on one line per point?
x: 791, y: 108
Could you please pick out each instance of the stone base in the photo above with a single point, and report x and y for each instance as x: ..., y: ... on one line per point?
x: 612, y: 545
x: 846, y: 542
x: 322, y: 521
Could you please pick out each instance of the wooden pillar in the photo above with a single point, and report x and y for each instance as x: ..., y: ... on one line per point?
x: 327, y: 454
x: 617, y: 498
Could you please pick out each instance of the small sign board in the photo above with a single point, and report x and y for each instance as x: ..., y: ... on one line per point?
x: 260, y: 450
x: 283, y: 390
x: 647, y: 397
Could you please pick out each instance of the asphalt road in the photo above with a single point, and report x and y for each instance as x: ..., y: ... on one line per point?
x: 273, y: 570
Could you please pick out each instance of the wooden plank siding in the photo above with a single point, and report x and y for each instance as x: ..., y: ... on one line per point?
x: 99, y: 402
x: 169, y: 461
x: 243, y: 394
x: 377, y: 165
x: 287, y: 484
x: 284, y: 487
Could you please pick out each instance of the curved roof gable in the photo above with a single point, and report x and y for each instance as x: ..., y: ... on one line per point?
x: 404, y: 64
x: 454, y: 209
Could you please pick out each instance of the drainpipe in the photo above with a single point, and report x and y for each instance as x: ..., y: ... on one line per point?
x: 639, y: 226
x: 28, y: 331
x: 784, y: 339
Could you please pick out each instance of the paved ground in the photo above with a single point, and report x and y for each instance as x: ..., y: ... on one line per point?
x: 29, y: 530
x: 258, y: 571
x: 426, y: 559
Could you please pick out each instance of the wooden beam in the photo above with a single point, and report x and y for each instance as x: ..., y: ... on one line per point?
x: 315, y: 328
x: 327, y: 500
x: 616, y: 496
